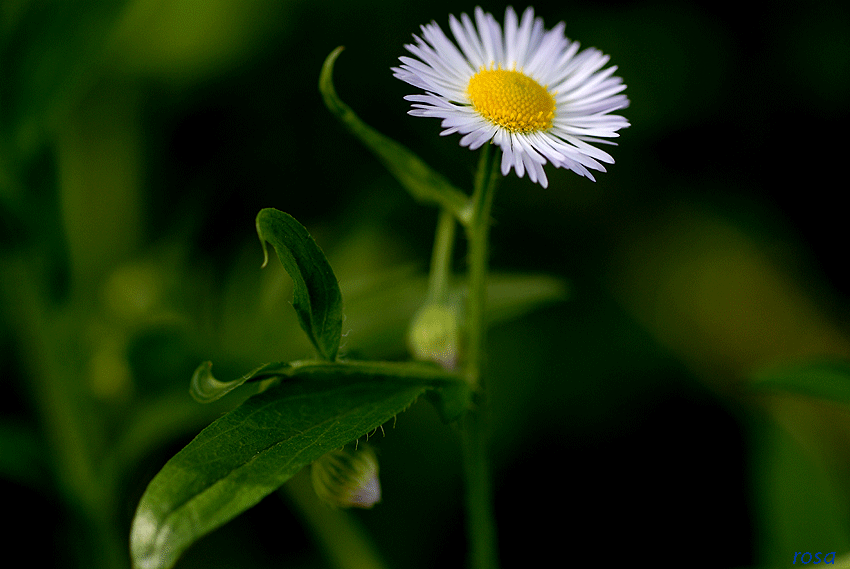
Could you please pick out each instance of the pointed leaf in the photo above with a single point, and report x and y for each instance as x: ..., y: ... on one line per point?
x: 416, y: 176
x: 316, y: 299
x: 248, y: 453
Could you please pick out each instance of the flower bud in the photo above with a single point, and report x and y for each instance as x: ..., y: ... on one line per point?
x: 347, y: 478
x: 434, y: 335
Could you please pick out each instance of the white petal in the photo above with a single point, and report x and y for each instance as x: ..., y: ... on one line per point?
x: 585, y: 91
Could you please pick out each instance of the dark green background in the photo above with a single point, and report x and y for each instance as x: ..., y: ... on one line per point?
x: 138, y: 141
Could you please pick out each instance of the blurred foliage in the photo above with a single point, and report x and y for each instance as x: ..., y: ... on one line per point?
x: 139, y: 139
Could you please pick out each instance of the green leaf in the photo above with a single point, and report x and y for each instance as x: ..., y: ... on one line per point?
x: 316, y: 299
x: 450, y: 394
x: 824, y: 379
x: 248, y: 453
x: 206, y: 388
x: 797, y: 499
x: 423, y: 183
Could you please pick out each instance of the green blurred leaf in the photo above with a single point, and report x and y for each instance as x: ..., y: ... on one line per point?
x: 511, y: 296
x: 824, y: 379
x: 379, y: 313
x: 799, y: 502
x: 316, y: 299
x: 416, y: 176
x: 50, y: 54
x: 248, y: 453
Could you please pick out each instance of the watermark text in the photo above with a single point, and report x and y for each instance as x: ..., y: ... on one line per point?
x: 807, y: 557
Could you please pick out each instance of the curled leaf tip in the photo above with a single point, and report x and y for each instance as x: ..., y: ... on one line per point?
x: 265, y: 256
x: 205, y: 388
x: 262, y: 241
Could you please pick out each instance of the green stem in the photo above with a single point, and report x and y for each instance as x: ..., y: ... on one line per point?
x: 478, y: 234
x: 480, y: 521
x: 481, y: 526
x: 441, y: 258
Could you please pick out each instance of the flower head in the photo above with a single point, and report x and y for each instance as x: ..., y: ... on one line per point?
x: 434, y: 334
x: 346, y: 478
x: 528, y: 90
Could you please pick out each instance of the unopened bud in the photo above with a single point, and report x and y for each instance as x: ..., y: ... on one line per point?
x: 434, y: 335
x: 347, y: 478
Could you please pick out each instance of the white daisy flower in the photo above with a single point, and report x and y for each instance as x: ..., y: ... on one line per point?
x: 528, y: 90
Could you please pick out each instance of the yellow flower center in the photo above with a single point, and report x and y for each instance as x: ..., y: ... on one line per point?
x: 511, y: 99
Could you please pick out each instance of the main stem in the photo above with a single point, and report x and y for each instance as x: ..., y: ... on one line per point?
x: 481, y: 526
x: 478, y: 234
